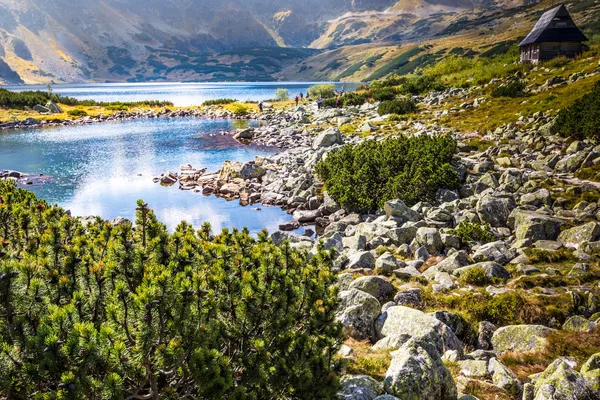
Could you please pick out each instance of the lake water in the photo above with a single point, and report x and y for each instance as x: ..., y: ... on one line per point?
x: 103, y: 169
x: 181, y: 94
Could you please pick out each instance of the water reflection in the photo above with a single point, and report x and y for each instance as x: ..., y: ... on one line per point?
x: 104, y: 169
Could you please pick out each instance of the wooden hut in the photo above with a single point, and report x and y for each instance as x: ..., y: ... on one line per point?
x: 554, y: 35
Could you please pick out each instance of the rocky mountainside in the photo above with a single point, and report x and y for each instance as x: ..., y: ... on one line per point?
x: 122, y: 40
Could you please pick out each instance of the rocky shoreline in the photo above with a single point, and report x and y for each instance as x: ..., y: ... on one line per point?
x: 205, y: 112
x: 522, y: 187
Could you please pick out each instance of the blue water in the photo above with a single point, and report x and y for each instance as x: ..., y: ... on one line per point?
x: 103, y: 169
x: 181, y: 94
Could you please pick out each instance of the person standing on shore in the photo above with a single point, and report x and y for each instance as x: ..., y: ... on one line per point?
x: 320, y: 103
x: 260, y: 106
x: 297, y: 100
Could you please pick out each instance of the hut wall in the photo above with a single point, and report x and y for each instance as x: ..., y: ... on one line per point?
x: 535, y: 53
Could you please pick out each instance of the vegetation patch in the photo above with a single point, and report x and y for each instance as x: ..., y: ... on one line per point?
x: 401, y: 106
x: 366, y: 361
x: 582, y: 118
x: 471, y: 233
x: 324, y: 90
x: 217, y: 102
x: 365, y: 176
x: 107, y: 311
x: 511, y: 89
x: 77, y: 113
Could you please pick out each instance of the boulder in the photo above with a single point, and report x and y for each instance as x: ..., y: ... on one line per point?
x: 484, y: 335
x: 376, y: 286
x: 409, y: 298
x: 579, y: 235
x: 504, y: 377
x: 520, y: 338
x: 452, y: 262
x: 400, y: 320
x: 560, y: 381
x: 361, y: 259
x: 399, y: 210
x: 359, y: 387
x: 417, y: 372
x: 251, y: 171
x: 328, y: 138
x: 577, y: 323
x: 53, y: 107
x: 495, y: 210
x: 492, y: 270
x: 534, y: 225
x: 357, y: 311
x: 499, y: 252
x: 386, y: 263
x: 431, y: 239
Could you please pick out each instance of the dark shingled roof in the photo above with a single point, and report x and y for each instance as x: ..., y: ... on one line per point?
x: 545, y: 30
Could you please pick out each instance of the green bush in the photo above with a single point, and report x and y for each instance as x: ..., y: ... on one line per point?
x: 511, y: 89
x: 401, y: 106
x: 282, y: 95
x: 582, y: 119
x: 217, y: 102
x: 352, y: 99
x: 421, y: 84
x: 330, y: 103
x: 470, y: 233
x: 117, y: 107
x: 365, y: 176
x: 324, y: 90
x: 77, y: 113
x: 240, y: 110
x: 385, y: 94
x: 114, y: 312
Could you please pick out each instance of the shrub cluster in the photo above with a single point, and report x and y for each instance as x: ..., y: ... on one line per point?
x: 365, y: 176
x: 282, y: 94
x: 582, y: 119
x: 421, y: 84
x: 511, y: 89
x: 114, y: 312
x: 401, y: 106
x: 217, y: 102
x: 77, y: 113
x: 471, y: 233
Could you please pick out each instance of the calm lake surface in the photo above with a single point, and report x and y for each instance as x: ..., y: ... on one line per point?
x: 103, y: 169
x: 181, y: 94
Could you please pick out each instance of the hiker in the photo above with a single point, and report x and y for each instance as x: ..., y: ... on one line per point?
x: 260, y: 106
x: 338, y: 102
x: 302, y: 96
x: 297, y: 100
x: 320, y: 103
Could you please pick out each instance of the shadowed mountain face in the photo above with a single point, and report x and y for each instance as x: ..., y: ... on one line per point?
x: 116, y: 40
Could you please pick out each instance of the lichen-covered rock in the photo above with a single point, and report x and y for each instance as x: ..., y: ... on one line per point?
x: 361, y: 259
x: 504, y: 377
x: 409, y: 298
x: 591, y: 373
x: 400, y: 320
x: 484, y: 335
x: 579, y: 235
x: 491, y: 269
x: 577, y: 323
x: 399, y: 210
x: 450, y: 263
x: 357, y: 311
x: 474, y: 368
x: 534, y: 225
x: 328, y: 138
x: 359, y: 387
x: 376, y: 286
x: 417, y: 372
x: 498, y: 251
x: 495, y: 210
x: 520, y: 338
x: 431, y: 239
x: 392, y: 342
x: 386, y: 263
x: 560, y: 381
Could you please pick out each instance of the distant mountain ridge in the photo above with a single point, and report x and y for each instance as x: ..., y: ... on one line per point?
x: 134, y: 40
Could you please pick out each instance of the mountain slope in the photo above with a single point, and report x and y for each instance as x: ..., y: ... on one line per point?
x: 135, y: 40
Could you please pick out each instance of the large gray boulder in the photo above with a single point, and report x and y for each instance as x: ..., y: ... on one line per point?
x: 328, y: 138
x: 579, y: 235
x: 495, y: 210
x: 504, y: 377
x: 534, y: 225
x: 361, y: 259
x: 431, y: 239
x: 359, y: 387
x: 499, y: 252
x: 400, y: 320
x: 417, y: 372
x: 376, y: 286
x: 357, y: 311
x: 491, y: 269
x: 520, y: 338
x: 561, y: 382
x: 399, y: 210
